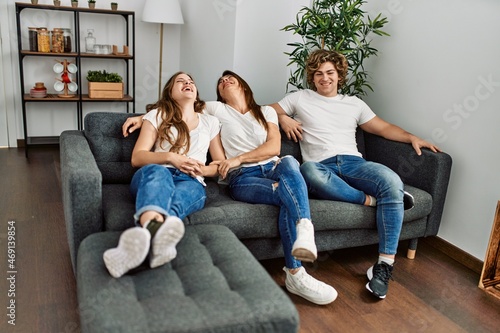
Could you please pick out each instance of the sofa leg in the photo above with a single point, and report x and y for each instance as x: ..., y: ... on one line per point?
x: 412, y: 248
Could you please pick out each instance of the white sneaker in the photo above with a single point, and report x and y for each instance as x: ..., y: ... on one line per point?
x: 131, y: 251
x: 164, y: 242
x: 304, y: 285
x: 304, y: 247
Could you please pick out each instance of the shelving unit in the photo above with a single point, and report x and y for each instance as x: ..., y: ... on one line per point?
x: 79, y: 58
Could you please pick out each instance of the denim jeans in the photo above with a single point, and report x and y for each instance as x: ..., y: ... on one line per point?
x: 167, y: 191
x: 348, y: 178
x: 256, y: 185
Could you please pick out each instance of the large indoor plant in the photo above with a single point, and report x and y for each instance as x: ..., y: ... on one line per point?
x: 335, y: 25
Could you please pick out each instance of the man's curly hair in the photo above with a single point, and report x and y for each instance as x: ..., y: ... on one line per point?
x: 319, y: 57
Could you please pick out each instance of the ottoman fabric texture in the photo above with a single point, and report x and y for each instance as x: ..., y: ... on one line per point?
x: 213, y: 285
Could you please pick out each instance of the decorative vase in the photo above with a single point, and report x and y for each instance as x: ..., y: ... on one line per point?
x: 57, y: 3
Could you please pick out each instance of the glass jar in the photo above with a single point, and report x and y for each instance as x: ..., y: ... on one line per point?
x: 68, y: 36
x: 57, y: 41
x: 33, y: 38
x: 43, y: 40
x: 90, y: 41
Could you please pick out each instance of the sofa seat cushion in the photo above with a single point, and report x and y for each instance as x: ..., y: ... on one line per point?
x: 213, y: 285
x: 257, y: 220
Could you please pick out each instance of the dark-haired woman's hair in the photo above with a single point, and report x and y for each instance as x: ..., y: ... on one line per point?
x: 255, y: 108
x: 171, y: 115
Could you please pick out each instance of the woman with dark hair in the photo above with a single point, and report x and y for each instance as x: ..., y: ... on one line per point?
x: 255, y: 174
x: 171, y: 153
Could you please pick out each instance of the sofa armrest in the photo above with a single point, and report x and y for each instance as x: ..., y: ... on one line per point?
x: 81, y: 184
x: 429, y: 172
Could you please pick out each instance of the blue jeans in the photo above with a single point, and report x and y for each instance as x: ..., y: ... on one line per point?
x: 348, y: 178
x: 256, y: 185
x: 167, y: 191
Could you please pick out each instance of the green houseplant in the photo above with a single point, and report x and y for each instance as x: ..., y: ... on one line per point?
x: 335, y: 25
x: 91, y: 4
x: 105, y: 85
x: 74, y: 3
x: 114, y: 5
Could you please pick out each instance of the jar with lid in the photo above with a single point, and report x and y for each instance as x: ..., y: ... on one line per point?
x: 57, y: 40
x: 68, y: 36
x: 33, y: 38
x: 43, y: 40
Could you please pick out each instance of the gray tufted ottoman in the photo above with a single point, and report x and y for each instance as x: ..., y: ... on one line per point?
x: 213, y: 285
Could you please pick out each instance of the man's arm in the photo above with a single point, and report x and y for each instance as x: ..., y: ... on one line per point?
x: 291, y: 127
x: 392, y: 132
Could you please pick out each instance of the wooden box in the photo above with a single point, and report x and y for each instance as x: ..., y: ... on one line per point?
x: 106, y: 89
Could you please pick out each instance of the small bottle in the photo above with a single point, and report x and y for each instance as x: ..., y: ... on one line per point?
x: 90, y: 41
x: 33, y: 37
x: 68, y: 36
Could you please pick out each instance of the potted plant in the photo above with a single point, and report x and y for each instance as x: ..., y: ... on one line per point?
x: 335, y: 25
x: 104, y: 85
x: 34, y: 2
x: 57, y: 3
x: 74, y: 3
x: 114, y: 5
x: 92, y: 4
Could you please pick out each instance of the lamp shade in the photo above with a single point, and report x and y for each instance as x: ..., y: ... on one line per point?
x: 162, y: 11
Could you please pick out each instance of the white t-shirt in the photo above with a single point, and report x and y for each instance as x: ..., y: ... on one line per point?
x: 200, y: 137
x: 329, y: 123
x: 241, y: 133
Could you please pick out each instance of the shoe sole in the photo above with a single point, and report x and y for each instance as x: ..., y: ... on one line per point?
x: 304, y: 255
x: 374, y: 294
x: 132, y: 250
x: 165, y: 240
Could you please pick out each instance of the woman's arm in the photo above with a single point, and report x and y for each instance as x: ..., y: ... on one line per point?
x: 268, y: 149
x: 131, y: 124
x: 142, y: 154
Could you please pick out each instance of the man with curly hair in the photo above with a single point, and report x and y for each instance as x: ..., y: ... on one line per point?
x: 325, y: 123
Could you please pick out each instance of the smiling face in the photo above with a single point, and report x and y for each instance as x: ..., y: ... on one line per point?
x: 326, y: 79
x: 227, y: 84
x: 183, y: 88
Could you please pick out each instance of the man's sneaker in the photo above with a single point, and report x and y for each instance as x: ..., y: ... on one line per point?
x: 408, y: 200
x: 304, y: 247
x: 304, y: 285
x: 379, y: 276
x: 164, y: 241
x: 131, y: 251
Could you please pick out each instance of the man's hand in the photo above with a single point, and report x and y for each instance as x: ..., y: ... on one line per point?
x: 131, y: 124
x: 291, y: 127
x: 418, y: 143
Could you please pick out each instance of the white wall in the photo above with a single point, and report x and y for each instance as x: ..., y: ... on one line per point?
x: 437, y: 60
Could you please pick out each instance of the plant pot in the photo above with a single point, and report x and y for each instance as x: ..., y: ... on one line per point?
x: 91, y: 5
x: 57, y: 3
x: 34, y: 2
x: 114, y: 6
x: 74, y: 4
x: 106, y: 90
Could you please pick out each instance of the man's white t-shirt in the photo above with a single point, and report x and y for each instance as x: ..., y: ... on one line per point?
x: 200, y: 137
x: 241, y: 133
x: 329, y: 123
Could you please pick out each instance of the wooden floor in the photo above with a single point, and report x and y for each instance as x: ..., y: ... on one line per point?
x: 432, y: 293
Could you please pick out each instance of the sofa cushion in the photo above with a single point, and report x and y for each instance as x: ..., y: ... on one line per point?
x: 213, y: 285
x: 111, y: 150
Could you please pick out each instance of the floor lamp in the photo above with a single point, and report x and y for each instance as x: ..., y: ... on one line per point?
x: 162, y: 11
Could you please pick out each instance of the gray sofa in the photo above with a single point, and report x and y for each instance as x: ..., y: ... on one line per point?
x: 96, y: 172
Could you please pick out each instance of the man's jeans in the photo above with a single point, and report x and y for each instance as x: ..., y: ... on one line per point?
x: 256, y: 185
x: 167, y: 191
x: 348, y: 178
